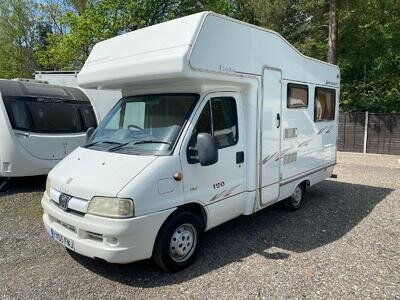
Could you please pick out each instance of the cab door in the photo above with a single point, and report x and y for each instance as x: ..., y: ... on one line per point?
x: 219, y: 187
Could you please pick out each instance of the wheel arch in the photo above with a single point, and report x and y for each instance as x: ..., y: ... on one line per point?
x: 193, y: 207
x: 197, y: 209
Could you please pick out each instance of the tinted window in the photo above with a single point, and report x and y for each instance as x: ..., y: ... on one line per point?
x: 18, y: 115
x: 55, y: 117
x: 49, y: 116
x: 88, y: 117
x: 297, y: 95
x: 220, y: 121
x: 324, y: 109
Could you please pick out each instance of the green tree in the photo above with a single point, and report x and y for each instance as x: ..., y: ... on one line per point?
x: 18, y: 38
x: 103, y: 19
x: 369, y: 56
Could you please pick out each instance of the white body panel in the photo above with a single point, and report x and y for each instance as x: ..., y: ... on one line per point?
x: 213, y: 56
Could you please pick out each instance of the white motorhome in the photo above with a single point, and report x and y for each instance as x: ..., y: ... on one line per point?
x: 39, y: 125
x: 218, y: 119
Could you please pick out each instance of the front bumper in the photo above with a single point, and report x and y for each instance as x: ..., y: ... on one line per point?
x: 114, y: 240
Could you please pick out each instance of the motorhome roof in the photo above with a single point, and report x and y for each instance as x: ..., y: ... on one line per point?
x: 33, y: 89
x: 205, y: 43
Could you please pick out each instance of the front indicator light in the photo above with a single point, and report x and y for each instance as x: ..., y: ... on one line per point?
x: 111, y: 207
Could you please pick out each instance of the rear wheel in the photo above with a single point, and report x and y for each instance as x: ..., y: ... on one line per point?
x: 178, y: 241
x: 294, y: 202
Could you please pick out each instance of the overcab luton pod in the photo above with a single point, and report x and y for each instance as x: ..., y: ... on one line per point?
x: 218, y: 119
x: 39, y: 125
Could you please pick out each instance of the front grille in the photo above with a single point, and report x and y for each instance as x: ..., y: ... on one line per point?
x: 69, y: 210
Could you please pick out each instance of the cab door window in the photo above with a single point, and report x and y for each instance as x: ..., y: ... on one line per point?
x: 219, y: 119
x: 224, y: 117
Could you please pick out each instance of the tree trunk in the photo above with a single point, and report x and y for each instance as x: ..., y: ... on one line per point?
x: 333, y: 30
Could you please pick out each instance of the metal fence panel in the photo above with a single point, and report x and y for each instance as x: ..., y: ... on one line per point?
x: 382, y: 134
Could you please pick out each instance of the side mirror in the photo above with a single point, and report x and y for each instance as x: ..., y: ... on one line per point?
x: 207, y: 149
x: 89, y: 133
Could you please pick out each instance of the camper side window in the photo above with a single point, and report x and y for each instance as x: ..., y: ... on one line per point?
x: 297, y: 95
x: 218, y: 118
x: 324, y: 105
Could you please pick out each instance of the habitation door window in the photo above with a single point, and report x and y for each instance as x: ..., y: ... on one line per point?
x: 297, y: 95
x: 219, y: 119
x: 324, y: 105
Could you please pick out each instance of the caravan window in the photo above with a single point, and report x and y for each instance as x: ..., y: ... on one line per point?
x: 218, y: 118
x: 18, y: 115
x: 324, y: 105
x: 55, y: 117
x: 88, y: 117
x: 49, y: 115
x: 297, y: 95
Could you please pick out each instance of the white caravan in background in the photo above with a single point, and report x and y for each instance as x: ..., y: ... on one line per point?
x: 102, y: 100
x: 39, y: 125
x: 218, y: 119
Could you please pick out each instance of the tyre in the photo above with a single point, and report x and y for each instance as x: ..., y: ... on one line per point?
x: 178, y: 241
x: 294, y: 202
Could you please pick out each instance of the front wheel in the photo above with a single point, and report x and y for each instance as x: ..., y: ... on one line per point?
x: 178, y: 241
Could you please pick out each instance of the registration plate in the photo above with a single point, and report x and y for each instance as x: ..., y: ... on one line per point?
x: 62, y: 239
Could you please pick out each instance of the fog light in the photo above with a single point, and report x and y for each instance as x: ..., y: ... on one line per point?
x: 112, y: 240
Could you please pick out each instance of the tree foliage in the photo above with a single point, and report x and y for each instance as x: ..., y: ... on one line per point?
x: 59, y: 35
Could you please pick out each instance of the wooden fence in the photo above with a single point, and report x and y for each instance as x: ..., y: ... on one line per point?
x: 369, y: 132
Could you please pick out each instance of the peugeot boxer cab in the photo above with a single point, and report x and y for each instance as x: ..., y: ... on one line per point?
x: 218, y: 119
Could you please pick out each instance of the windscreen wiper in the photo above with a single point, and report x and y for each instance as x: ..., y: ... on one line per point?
x: 103, y: 142
x: 152, y: 142
x: 138, y: 142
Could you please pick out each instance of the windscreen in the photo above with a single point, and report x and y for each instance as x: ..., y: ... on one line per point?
x: 49, y: 115
x: 149, y: 124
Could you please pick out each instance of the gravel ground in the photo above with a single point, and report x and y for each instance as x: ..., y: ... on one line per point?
x: 344, y: 243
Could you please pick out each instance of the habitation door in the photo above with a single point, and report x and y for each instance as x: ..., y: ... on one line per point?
x: 271, y: 136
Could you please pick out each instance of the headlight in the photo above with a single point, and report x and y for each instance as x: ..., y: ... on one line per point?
x: 48, y: 185
x: 111, y: 207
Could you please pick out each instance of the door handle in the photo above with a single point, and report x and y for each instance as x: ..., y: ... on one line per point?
x: 240, y: 157
x: 278, y: 120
